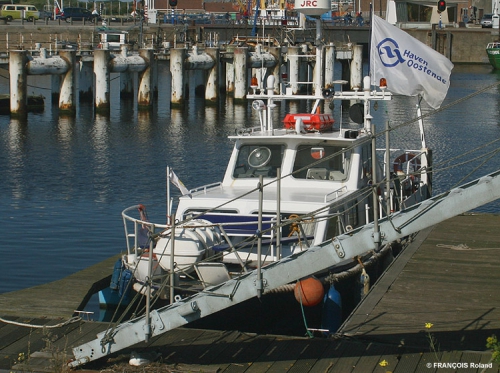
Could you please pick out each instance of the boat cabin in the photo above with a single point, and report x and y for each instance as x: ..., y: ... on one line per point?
x: 112, y: 39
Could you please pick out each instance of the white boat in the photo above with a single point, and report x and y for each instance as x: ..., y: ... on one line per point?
x: 297, y: 200
x: 287, y: 187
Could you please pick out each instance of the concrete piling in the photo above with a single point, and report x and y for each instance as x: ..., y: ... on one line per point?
x: 144, y: 96
x: 102, y: 79
x: 18, y: 82
x: 291, y: 67
x: 177, y: 57
x: 67, y: 96
x: 240, y: 73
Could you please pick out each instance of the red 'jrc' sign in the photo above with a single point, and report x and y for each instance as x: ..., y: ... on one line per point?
x: 309, y: 3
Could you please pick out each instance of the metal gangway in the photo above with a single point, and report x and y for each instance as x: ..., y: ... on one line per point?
x: 316, y: 259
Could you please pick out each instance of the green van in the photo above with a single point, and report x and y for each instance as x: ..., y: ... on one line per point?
x: 18, y: 11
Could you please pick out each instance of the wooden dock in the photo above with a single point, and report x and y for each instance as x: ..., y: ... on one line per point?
x: 447, y: 277
x: 59, y: 299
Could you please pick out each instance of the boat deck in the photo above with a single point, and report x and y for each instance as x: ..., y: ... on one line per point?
x: 447, y: 277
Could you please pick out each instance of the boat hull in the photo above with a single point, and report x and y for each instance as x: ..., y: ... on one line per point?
x: 494, y: 57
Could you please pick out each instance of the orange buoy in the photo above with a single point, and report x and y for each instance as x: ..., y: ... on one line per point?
x: 309, y: 291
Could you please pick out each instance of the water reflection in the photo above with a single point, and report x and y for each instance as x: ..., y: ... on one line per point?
x: 66, y: 179
x: 14, y: 160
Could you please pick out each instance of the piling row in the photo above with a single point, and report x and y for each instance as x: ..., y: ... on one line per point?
x: 236, y: 69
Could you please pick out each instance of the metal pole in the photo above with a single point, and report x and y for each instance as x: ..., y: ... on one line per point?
x: 169, y: 220
x: 278, y: 214
x: 376, y: 229
x: 259, y: 238
x: 147, y: 333
x: 172, y: 282
x: 387, y: 169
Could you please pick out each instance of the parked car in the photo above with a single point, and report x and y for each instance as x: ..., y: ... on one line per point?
x: 77, y: 14
x: 487, y: 20
x: 46, y: 14
x: 18, y: 11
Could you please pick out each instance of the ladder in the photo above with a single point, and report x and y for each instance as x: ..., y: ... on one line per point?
x: 316, y: 259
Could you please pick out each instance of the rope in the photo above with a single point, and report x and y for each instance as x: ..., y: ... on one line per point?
x: 67, y: 322
x: 308, y: 332
x: 464, y: 247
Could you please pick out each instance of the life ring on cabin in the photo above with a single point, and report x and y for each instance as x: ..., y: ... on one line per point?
x: 405, y: 158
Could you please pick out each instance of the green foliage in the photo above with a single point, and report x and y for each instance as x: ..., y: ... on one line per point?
x: 434, y: 347
x: 492, y: 342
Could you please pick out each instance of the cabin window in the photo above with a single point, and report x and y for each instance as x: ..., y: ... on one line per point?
x: 256, y: 160
x: 200, y: 213
x: 321, y: 163
x: 113, y: 38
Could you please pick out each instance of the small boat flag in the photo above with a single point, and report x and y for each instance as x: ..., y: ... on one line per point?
x: 179, y: 184
x: 409, y: 66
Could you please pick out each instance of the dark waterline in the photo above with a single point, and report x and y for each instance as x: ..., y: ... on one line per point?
x: 65, y: 180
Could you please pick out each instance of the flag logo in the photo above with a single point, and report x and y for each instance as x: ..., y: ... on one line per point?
x: 388, y: 52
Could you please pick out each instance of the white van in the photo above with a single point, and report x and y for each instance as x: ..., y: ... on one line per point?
x: 17, y: 11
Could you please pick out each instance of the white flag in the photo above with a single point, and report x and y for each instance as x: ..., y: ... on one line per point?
x: 175, y: 180
x: 409, y: 66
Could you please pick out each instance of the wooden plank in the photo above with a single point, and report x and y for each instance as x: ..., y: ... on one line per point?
x: 244, y: 353
x: 470, y: 358
x: 408, y: 363
x: 360, y: 315
x: 13, y: 333
x: 370, y: 359
x: 426, y: 363
x: 32, y: 339
x: 78, y: 333
x: 312, y: 351
x: 328, y: 359
x: 55, y: 342
x: 456, y: 290
x: 186, y: 343
x: 182, y: 336
x: 203, y: 348
x: 486, y: 361
x: 213, y: 356
x: 32, y: 302
x: 349, y: 358
x: 24, y: 341
x: 390, y: 358
x: 449, y: 357
x: 233, y: 358
x: 273, y: 351
x: 288, y: 356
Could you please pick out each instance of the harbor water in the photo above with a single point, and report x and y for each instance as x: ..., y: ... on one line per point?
x: 65, y: 180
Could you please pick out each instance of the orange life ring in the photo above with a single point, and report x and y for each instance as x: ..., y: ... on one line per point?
x: 405, y: 158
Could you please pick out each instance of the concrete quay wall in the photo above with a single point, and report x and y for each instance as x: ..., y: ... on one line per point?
x: 461, y: 45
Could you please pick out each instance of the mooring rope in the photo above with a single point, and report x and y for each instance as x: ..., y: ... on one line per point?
x: 464, y: 247
x: 67, y: 322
